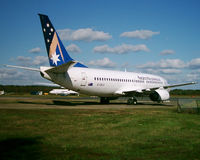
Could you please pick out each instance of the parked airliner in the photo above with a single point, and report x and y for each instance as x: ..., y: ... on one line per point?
x: 107, y: 84
x: 64, y: 92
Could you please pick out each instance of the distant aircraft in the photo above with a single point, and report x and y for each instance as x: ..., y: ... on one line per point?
x: 64, y: 92
x: 107, y: 84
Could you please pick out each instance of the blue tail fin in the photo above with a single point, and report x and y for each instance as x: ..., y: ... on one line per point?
x: 57, y: 53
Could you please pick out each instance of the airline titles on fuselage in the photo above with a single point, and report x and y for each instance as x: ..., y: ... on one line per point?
x: 139, y: 80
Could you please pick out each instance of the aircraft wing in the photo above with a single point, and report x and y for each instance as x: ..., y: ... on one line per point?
x: 178, y: 85
x: 169, y: 86
x: 127, y: 91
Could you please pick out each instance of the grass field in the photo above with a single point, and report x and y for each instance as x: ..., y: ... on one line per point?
x: 109, y: 133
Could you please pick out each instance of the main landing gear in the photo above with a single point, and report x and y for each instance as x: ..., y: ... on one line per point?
x: 104, y: 100
x: 132, y: 101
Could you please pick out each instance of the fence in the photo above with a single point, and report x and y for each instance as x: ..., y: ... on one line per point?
x: 188, y: 105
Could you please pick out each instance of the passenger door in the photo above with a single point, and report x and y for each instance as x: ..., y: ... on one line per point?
x: 83, y: 79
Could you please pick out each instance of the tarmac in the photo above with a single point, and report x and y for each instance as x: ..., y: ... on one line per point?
x: 61, y: 102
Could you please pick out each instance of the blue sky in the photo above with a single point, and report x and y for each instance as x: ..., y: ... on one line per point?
x: 151, y: 36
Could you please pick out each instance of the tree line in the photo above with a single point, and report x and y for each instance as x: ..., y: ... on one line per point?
x: 185, y: 92
x: 25, y: 89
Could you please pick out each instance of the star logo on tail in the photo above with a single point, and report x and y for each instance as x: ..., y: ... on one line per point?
x: 55, y: 58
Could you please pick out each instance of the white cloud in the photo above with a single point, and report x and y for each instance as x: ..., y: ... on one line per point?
x: 125, y: 65
x: 35, y: 50
x: 84, y: 34
x: 194, y: 64
x: 28, y: 61
x: 174, y: 79
x: 9, y: 73
x: 39, y: 61
x: 169, y: 71
x: 11, y: 76
x: 23, y: 59
x: 172, y: 63
x: 193, y: 76
x: 141, y: 34
x: 164, y: 63
x: 105, y: 62
x: 121, y: 49
x: 73, y: 48
x: 167, y: 52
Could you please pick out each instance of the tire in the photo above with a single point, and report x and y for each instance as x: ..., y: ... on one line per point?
x: 135, y: 101
x: 104, y: 100
x: 132, y: 101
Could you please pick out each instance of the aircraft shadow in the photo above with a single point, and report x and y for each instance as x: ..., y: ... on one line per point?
x: 75, y: 103
x: 31, y: 148
x: 25, y: 102
x: 85, y: 103
x: 20, y: 148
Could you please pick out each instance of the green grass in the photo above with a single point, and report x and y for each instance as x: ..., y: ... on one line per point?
x: 99, y: 134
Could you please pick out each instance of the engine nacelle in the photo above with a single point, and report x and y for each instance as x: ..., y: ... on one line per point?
x: 159, y: 95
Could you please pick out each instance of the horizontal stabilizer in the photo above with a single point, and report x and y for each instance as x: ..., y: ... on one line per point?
x: 62, y: 68
x: 27, y: 68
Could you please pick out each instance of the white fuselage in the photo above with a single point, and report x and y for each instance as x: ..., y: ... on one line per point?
x: 106, y: 83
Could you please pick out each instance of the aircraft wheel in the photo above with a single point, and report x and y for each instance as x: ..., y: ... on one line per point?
x: 132, y: 101
x: 104, y: 100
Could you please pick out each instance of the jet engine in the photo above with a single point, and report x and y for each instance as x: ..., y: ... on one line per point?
x: 159, y: 95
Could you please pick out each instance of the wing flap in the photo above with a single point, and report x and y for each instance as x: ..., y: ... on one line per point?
x: 127, y: 91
